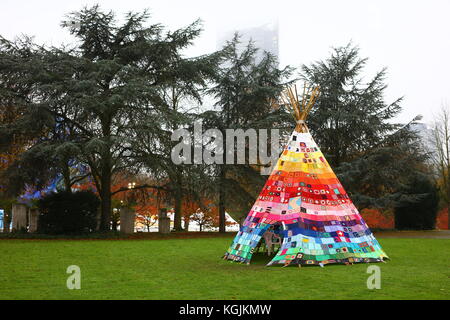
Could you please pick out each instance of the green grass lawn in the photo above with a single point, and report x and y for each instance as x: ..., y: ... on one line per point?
x: 193, y: 269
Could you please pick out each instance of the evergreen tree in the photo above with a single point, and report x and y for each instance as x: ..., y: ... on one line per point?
x: 152, y: 144
x: 374, y: 157
x: 420, y: 214
x: 102, y: 88
x: 248, y: 80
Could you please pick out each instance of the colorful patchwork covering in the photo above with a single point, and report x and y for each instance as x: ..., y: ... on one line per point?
x: 320, y: 224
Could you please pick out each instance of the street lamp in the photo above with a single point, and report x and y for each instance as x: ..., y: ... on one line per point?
x: 131, y: 195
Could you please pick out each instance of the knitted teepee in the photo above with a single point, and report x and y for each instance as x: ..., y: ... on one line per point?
x: 319, y: 223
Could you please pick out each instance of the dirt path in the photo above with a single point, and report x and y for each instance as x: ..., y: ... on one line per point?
x: 431, y: 234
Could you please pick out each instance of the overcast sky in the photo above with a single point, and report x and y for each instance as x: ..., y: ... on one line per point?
x: 410, y: 38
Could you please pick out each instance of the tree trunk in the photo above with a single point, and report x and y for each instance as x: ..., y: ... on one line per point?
x: 448, y: 216
x: 105, y: 197
x: 98, y: 218
x: 222, y: 199
x: 186, y: 223
x: 105, y: 224
x: 178, y: 199
x: 114, y: 225
x: 177, y: 207
x: 448, y: 195
x: 66, y: 177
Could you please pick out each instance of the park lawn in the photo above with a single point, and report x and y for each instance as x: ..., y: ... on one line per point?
x: 193, y: 269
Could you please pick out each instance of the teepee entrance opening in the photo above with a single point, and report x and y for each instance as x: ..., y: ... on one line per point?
x: 267, y: 242
x: 272, y: 239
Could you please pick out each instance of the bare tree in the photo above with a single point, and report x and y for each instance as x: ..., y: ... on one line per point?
x: 147, y: 219
x: 441, y: 157
x: 203, y: 219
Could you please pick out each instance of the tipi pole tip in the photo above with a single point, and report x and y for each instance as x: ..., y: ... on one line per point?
x: 289, y: 96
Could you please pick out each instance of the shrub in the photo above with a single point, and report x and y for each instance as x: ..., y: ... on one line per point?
x: 420, y: 215
x: 68, y: 213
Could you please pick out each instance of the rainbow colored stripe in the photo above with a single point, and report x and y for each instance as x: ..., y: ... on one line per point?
x: 320, y: 224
